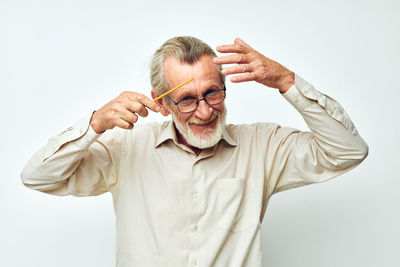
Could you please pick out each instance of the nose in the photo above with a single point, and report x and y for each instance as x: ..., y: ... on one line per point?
x: 204, y: 110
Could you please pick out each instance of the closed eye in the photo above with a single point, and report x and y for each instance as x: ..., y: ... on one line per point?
x: 187, y: 98
x: 210, y: 92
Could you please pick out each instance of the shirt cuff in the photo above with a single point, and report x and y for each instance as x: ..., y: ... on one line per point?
x: 82, y: 134
x: 296, y: 98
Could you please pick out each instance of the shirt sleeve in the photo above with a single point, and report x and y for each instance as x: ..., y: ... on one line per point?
x: 75, y: 162
x: 332, y: 147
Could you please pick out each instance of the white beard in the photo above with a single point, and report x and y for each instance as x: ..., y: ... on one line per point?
x: 209, y: 138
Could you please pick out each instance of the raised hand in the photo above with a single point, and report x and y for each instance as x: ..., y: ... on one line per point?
x: 253, y: 66
x: 122, y: 111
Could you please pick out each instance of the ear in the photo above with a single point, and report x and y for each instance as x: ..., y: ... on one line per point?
x: 159, y: 102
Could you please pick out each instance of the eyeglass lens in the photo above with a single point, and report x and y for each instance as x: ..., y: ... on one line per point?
x: 190, y: 105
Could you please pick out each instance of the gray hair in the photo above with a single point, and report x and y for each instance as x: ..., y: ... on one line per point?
x: 186, y: 49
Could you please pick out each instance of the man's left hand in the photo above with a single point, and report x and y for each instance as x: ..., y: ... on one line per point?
x: 254, y: 66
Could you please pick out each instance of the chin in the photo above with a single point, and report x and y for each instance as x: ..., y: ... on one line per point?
x: 207, y: 137
x: 203, y: 141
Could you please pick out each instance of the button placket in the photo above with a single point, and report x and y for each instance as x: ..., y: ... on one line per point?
x: 197, y: 178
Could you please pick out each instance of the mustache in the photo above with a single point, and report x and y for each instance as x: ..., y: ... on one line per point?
x: 214, y: 115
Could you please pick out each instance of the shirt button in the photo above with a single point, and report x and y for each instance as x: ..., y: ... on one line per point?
x: 195, y: 228
x: 196, y: 194
x: 194, y: 262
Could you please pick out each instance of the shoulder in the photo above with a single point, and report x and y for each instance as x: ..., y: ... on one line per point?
x: 258, y: 131
x: 238, y: 130
x: 148, y: 132
x: 148, y: 128
x: 140, y: 132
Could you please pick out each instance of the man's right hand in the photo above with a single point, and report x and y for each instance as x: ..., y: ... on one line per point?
x: 123, y: 112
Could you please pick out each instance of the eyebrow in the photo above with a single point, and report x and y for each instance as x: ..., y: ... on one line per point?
x: 182, y: 94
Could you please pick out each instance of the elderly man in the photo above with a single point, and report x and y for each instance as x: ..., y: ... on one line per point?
x: 193, y: 191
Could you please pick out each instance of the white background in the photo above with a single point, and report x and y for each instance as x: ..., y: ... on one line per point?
x: 59, y: 60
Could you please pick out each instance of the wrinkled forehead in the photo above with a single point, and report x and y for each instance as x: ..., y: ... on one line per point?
x: 204, y: 72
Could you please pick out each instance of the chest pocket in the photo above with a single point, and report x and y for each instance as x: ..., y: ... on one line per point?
x: 237, y: 204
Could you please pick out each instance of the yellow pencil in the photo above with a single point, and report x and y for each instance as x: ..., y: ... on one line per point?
x: 173, y: 89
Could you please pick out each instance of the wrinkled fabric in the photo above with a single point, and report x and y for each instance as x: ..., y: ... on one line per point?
x: 174, y: 208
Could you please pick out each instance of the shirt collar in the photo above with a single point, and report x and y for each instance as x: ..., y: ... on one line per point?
x: 167, y: 132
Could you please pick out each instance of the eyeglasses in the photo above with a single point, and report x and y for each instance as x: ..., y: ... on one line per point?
x: 190, y: 104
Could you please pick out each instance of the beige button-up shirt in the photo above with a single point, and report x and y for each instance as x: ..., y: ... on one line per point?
x: 174, y: 208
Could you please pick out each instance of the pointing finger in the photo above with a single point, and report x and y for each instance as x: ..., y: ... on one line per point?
x: 147, y: 102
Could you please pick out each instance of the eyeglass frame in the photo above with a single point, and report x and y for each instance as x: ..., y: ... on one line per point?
x: 198, y: 100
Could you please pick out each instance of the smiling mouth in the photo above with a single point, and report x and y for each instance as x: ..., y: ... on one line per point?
x: 202, y: 122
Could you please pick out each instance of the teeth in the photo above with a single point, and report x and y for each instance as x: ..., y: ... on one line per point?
x: 204, y: 122
x: 201, y: 122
